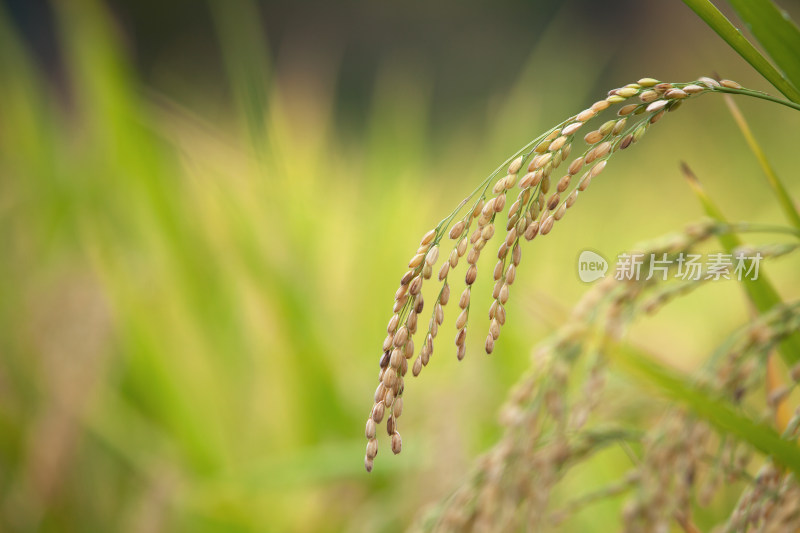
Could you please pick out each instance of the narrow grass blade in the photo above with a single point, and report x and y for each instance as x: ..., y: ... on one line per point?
x: 244, y: 47
x: 760, y: 291
x: 733, y: 36
x: 777, y: 33
x: 716, y: 411
x: 785, y: 201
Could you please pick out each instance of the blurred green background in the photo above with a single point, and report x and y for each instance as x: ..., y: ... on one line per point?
x: 205, y: 209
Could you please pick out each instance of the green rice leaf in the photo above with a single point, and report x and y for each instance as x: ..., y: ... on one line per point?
x: 734, y: 37
x: 705, y: 404
x: 777, y: 33
x: 760, y: 291
x: 781, y: 192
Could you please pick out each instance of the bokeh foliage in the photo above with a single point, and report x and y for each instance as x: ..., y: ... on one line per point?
x: 191, y: 308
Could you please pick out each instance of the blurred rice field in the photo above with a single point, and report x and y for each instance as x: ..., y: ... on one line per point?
x: 192, y: 305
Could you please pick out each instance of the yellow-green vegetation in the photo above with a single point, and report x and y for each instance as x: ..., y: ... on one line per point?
x: 191, y: 309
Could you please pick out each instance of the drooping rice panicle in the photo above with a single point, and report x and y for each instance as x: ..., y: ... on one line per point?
x: 544, y: 198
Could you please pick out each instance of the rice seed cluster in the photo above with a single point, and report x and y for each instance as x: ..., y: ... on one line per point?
x: 545, y: 430
x: 535, y: 189
x: 684, y: 461
x: 769, y: 504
